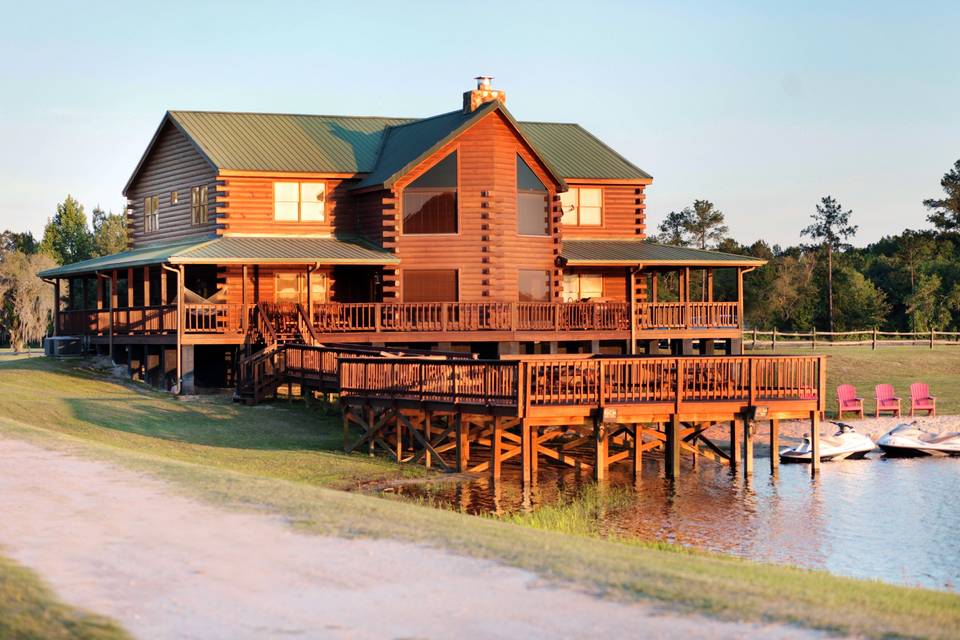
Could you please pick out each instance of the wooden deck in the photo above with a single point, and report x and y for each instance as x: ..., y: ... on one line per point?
x: 588, y: 412
x: 425, y: 322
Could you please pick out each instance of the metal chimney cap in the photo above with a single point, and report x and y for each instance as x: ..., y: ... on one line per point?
x: 483, y: 82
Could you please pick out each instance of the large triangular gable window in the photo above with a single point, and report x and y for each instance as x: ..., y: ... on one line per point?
x: 430, y: 201
x: 532, y: 214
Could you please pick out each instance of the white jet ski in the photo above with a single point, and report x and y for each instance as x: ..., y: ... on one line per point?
x: 909, y: 441
x: 846, y: 443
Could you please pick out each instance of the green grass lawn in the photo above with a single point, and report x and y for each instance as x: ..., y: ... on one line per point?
x: 282, y: 457
x: 900, y: 366
x: 30, y: 611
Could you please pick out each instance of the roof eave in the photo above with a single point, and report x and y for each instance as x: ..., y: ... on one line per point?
x: 573, y: 262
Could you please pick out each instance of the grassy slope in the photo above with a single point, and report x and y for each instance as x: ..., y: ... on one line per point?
x: 229, y: 454
x: 899, y: 366
x: 29, y: 611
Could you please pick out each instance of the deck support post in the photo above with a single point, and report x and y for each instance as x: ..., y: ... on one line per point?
x: 815, y: 442
x: 601, y: 444
x: 496, y: 449
x: 398, y: 424
x: 636, y: 451
x: 525, y: 451
x: 747, y: 445
x: 534, y: 457
x: 774, y: 445
x: 427, y: 436
x: 734, y: 444
x: 346, y: 428
x: 673, y: 447
x: 463, y: 442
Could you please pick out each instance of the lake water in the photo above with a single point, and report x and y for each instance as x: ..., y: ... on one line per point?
x: 896, y: 520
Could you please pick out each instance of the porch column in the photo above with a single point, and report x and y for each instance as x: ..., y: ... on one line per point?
x: 243, y: 298
x: 709, y: 291
x: 146, y: 286
x: 56, y: 306
x: 180, y: 321
x: 739, y: 298
x: 163, y: 286
x: 654, y: 279
x: 632, y: 293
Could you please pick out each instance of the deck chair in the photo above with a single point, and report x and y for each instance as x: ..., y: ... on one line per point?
x: 921, y: 400
x: 886, y: 401
x: 847, y: 400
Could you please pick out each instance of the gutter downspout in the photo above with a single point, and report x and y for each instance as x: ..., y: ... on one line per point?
x: 179, y: 272
x: 110, y: 309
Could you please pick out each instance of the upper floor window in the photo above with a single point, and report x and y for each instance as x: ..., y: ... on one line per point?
x: 582, y: 207
x: 198, y: 205
x: 532, y: 211
x: 430, y: 201
x: 151, y: 213
x: 299, y: 201
x: 174, y: 197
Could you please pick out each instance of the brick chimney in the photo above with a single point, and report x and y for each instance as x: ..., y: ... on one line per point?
x: 484, y: 93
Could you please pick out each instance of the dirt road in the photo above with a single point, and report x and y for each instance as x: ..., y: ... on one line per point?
x: 164, y: 566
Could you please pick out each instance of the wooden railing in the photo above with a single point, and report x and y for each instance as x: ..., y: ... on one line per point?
x: 592, y: 382
x: 688, y: 315
x: 213, y: 318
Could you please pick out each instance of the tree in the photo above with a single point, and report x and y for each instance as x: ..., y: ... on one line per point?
x: 914, y: 249
x: 109, y: 232
x: 831, y: 228
x: 925, y: 307
x: 675, y: 228
x: 66, y: 238
x: 705, y: 224
x: 26, y: 305
x: 945, y: 214
x: 13, y: 241
x: 860, y: 305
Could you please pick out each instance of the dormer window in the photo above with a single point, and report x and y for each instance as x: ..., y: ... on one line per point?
x: 430, y: 201
x: 299, y: 201
x: 532, y: 211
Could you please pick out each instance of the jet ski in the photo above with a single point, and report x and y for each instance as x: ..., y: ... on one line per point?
x: 909, y: 441
x: 846, y: 443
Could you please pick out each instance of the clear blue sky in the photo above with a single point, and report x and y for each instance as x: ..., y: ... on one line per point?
x: 760, y: 107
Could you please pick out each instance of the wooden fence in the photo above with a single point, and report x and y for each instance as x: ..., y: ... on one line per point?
x: 756, y: 340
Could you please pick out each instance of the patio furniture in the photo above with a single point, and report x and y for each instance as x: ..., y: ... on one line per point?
x: 886, y: 401
x: 847, y: 400
x: 921, y: 400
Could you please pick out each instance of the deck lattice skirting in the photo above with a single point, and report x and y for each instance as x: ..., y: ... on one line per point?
x: 587, y: 412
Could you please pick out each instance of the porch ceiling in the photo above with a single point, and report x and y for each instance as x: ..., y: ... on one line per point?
x: 628, y: 252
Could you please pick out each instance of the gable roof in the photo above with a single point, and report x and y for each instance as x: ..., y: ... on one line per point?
x: 622, y: 251
x: 298, y: 143
x: 406, y: 146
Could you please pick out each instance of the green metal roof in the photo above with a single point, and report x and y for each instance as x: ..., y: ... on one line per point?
x: 582, y: 251
x: 381, y: 146
x: 577, y: 153
x: 236, y: 249
x: 283, y: 249
x: 406, y: 146
x: 286, y: 142
x: 124, y: 260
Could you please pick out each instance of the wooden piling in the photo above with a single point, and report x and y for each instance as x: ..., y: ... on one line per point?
x: 734, y: 444
x: 636, y: 451
x: 815, y: 442
x: 673, y: 447
x: 496, y: 449
x: 600, y: 448
x: 747, y: 445
x: 774, y: 445
x: 463, y: 442
x: 525, y: 452
x: 427, y: 436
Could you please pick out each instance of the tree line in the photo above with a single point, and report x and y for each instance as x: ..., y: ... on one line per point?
x: 905, y: 282
x: 26, y: 304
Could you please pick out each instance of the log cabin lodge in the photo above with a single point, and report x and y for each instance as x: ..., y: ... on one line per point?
x: 468, y: 232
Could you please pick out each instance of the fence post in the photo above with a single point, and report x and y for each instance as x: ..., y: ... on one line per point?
x: 813, y: 341
x: 773, y: 342
x: 754, y: 345
x: 931, y: 338
x: 874, y: 343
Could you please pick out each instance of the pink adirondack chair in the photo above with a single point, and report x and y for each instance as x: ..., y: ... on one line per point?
x: 847, y: 400
x: 886, y: 401
x: 921, y: 400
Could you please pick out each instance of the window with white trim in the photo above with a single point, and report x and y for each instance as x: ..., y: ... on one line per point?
x: 582, y: 207
x: 151, y: 214
x: 299, y: 201
x: 582, y: 286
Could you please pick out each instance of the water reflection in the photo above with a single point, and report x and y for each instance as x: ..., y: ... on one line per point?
x: 893, y: 520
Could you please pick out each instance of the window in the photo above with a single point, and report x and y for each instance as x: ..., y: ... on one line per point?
x: 430, y: 202
x: 299, y: 201
x: 582, y: 207
x: 174, y: 197
x: 533, y: 285
x: 151, y: 213
x: 582, y: 286
x: 430, y: 285
x: 292, y: 287
x: 198, y: 205
x: 532, y: 211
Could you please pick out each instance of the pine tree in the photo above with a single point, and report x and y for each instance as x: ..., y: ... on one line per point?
x: 831, y: 228
x: 67, y: 238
